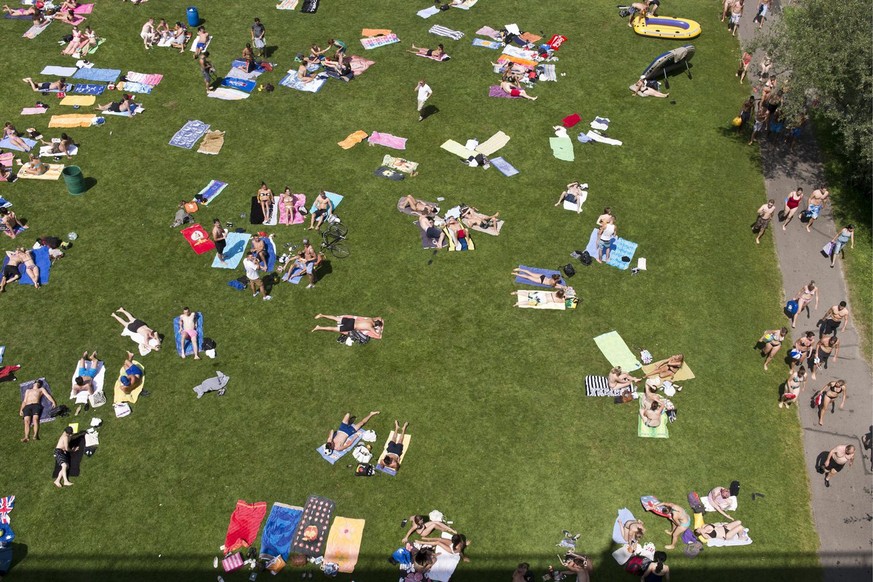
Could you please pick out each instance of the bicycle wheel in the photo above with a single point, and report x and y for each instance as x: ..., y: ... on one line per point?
x: 339, y: 250
x: 338, y: 230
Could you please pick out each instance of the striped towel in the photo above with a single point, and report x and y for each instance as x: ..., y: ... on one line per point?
x: 377, y: 41
x: 548, y: 73
x: 145, y: 78
x: 599, y: 386
x: 443, y: 31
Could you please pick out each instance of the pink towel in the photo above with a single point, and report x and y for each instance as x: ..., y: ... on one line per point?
x: 33, y: 110
x: 6, y: 159
x: 387, y: 140
x: 496, y: 91
x: 292, y: 215
x: 489, y: 32
x: 245, y: 522
x: 83, y: 9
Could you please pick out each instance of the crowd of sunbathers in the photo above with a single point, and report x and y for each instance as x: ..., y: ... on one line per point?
x: 450, y: 228
x: 330, y: 60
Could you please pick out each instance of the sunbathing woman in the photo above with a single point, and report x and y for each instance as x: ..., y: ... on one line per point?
x: 58, y: 85
x: 438, y: 54
x: 266, y: 200
x: 428, y: 224
x: 150, y: 338
x: 472, y: 217
x: 35, y: 167
x: 61, y: 145
x: 423, y: 526
x: 67, y: 15
x: 14, y: 138
x: 632, y: 531
x: 303, y: 70
x: 418, y: 207
x: 10, y: 222
x: 573, y: 194
x: 619, y: 379
x: 527, y: 298
x: 515, y: 90
x: 395, y: 447
x: 651, y: 413
x: 772, y: 342
x: 641, y: 89
x: 29, y: 266
x: 456, y: 545
x: 721, y: 531
x: 680, y: 520
x: 547, y: 280
x: 370, y: 326
x: 117, y: 106
x: 668, y: 368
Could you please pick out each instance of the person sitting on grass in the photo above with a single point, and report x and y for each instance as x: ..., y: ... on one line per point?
x: 668, y: 368
x: 31, y: 408
x: 370, y: 326
x: 88, y: 41
x: 303, y: 70
x: 394, y: 450
x: 180, y: 37
x: 573, y: 194
x: 58, y: 85
x: 515, y: 90
x: 721, y: 531
x: 78, y: 39
x: 341, y: 438
x: 428, y: 224
x: 259, y: 248
x: 418, y: 207
x: 62, y: 458
x: 10, y: 222
x: 149, y: 338
x: 439, y: 53
x: 577, y: 565
x: 123, y: 106
x: 651, y: 413
x: 339, y: 67
x: 423, y: 526
x: 60, y: 146
x: 455, y: 546
x: 522, y: 573
x: 643, y: 89
x: 657, y: 569
x: 619, y: 379
x: 553, y: 280
x: 131, y: 376
x: 35, y: 166
x: 148, y: 34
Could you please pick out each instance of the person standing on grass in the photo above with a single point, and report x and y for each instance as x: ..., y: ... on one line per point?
x: 817, y: 200
x: 736, y: 15
x: 765, y: 213
x: 792, y: 202
x: 826, y: 346
x: 310, y: 257
x: 804, y: 297
x: 831, y: 321
x: 847, y: 234
x: 219, y: 237
x: 746, y: 111
x: 259, y: 38
x: 188, y: 331
x: 771, y: 343
x: 794, y: 385
x: 201, y: 41
x: 31, y: 408
x: 252, y: 265
x: 148, y: 34
x: 207, y: 70
x: 62, y: 458
x: 839, y: 457
x: 423, y: 93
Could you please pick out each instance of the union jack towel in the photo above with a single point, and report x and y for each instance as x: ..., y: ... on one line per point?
x: 6, y: 505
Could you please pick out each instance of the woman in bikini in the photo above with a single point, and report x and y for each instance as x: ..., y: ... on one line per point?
x: 472, y: 217
x: 66, y: 13
x: 772, y: 343
x: 286, y: 206
x: 791, y: 204
x: 830, y: 393
x: 265, y: 199
x: 721, y: 531
x: 423, y: 526
x: 436, y: 54
x: 802, y: 349
x: 456, y: 545
x: 418, y: 207
x: 804, y: 297
x: 73, y: 45
x: 794, y: 385
x: 818, y: 358
x: 547, y: 280
x: 680, y: 520
x: 35, y: 167
x: 14, y: 138
x: 641, y: 89
x: 29, y: 266
x: 668, y: 368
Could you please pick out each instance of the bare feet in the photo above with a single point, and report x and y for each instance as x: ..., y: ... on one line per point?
x: 129, y: 355
x: 57, y: 484
x: 25, y: 440
x: 196, y: 357
x: 670, y: 547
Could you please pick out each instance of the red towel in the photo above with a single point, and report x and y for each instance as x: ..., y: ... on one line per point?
x: 556, y: 41
x: 571, y: 120
x: 198, y: 238
x: 245, y: 522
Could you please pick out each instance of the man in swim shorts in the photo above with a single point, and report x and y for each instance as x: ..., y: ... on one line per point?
x: 150, y: 340
x: 838, y: 458
x: 62, y: 458
x: 341, y: 438
x: 394, y: 450
x: 10, y: 270
x: 765, y: 213
x: 131, y: 376
x: 31, y: 409
x: 188, y: 331
x: 323, y: 208
x: 58, y: 85
x: 88, y: 368
x: 370, y: 326
x: 819, y: 197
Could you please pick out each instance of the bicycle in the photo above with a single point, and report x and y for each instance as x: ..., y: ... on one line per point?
x: 332, y: 239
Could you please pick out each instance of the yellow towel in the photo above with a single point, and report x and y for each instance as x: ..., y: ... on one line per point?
x: 72, y: 120
x: 79, y: 100
x: 353, y: 139
x: 120, y: 395
x: 212, y: 143
x: 53, y: 173
x: 344, y: 543
x: 406, y: 439
x: 684, y: 373
x: 370, y: 32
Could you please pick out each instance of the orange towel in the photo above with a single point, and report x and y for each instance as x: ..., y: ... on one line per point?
x: 524, y: 62
x: 369, y: 32
x: 344, y: 543
x: 72, y: 120
x: 353, y: 140
x: 530, y: 37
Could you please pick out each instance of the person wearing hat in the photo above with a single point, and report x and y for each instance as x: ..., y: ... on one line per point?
x: 131, y: 377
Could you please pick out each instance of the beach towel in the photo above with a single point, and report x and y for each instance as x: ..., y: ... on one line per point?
x: 684, y: 373
x: 53, y: 173
x: 599, y: 386
x: 454, y: 147
x: 135, y: 109
x: 212, y: 143
x: 539, y: 300
x: 55, y: 71
x: 227, y: 94
x: 492, y: 144
x: 496, y: 91
x: 198, y: 238
x: 377, y: 41
x: 359, y: 64
x: 624, y: 516
x: 464, y: 4
x: 73, y: 120
x: 292, y: 82
x: 36, y: 29
x: 33, y: 110
x: 370, y: 32
x: 562, y: 148
x: 97, y: 383
x: 595, y: 136
x: 80, y: 100
x: 311, y: 534
x: 387, y: 470
x: 186, y: 341
x: 210, y: 192
x: 287, y: 4
x: 279, y: 529
x: 659, y: 432
x: 336, y: 455
x: 88, y: 89
x: 571, y: 120
x: 45, y: 413
x: 4, y: 204
x: 489, y: 32
x: 188, y: 135
x: 344, y: 543
x: 83, y: 9
x: 547, y: 73
x: 719, y: 543
x: 245, y: 522
x: 40, y: 259
x: 291, y: 214
x: 617, y: 352
x: 134, y: 87
x: 444, y: 567
x: 152, y: 79
x: 239, y: 84
x: 576, y: 206
x: 447, y: 32
x: 620, y: 248
x: 94, y: 74
x: 530, y: 37
x: 233, y: 252
x: 428, y: 12
x: 491, y: 44
x: 547, y: 272
x: 732, y: 503
x: 353, y: 139
x: 504, y: 167
x: 387, y: 140
x: 193, y: 47
x: 120, y: 396
x: 6, y: 144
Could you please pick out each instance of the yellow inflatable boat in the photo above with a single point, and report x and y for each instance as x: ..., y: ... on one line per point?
x: 666, y: 27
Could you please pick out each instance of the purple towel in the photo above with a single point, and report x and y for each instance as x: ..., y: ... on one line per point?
x: 547, y: 272
x: 45, y: 414
x: 496, y: 91
x: 387, y: 140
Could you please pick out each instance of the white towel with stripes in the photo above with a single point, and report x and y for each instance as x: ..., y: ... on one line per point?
x: 443, y: 31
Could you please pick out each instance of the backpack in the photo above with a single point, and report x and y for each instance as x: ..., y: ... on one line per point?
x: 637, y: 565
x: 585, y: 259
x: 568, y: 270
x: 208, y: 344
x: 734, y: 488
x: 695, y: 503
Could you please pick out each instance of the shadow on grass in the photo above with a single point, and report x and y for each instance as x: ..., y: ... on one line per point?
x: 428, y: 111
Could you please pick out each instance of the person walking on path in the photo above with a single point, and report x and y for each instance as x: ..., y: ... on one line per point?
x: 830, y: 323
x: 825, y: 348
x: 765, y: 214
x: 839, y: 457
x: 791, y: 204
x: 817, y: 200
x: 423, y: 93
x: 804, y: 297
x: 847, y: 234
x: 827, y: 397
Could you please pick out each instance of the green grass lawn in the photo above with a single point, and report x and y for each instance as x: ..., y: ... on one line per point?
x: 505, y: 442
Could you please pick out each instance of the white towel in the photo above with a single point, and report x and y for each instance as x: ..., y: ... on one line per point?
x: 428, y: 12
x: 445, y: 566
x: 717, y: 543
x: 707, y: 506
x: 594, y: 136
x: 601, y: 123
x: 447, y: 32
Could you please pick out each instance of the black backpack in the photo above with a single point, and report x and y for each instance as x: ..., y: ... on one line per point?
x: 208, y: 344
x: 568, y: 270
x: 585, y: 259
x: 62, y: 410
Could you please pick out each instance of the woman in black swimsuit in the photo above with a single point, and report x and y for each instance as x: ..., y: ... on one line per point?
x: 722, y: 531
x: 829, y: 394
x: 547, y: 280
x: 423, y: 526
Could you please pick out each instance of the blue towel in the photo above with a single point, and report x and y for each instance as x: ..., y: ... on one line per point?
x: 189, y: 349
x: 335, y: 198
x: 132, y: 87
x: 233, y: 252
x: 337, y: 455
x: 236, y: 284
x: 41, y: 259
x: 189, y: 134
x: 625, y: 515
x: 279, y: 529
x: 548, y: 272
x: 292, y: 82
x: 271, y: 255
x: 239, y: 84
x: 6, y: 144
x: 212, y: 190
x: 89, y: 88
x: 105, y: 75
x: 504, y: 167
x: 298, y: 275
x: 620, y: 248
x: 4, y: 203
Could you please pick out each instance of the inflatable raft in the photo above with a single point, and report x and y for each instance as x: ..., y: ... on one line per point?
x: 669, y: 61
x: 666, y: 27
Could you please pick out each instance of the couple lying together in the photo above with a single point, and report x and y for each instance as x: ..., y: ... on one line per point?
x: 562, y: 291
x: 344, y: 437
x: 420, y: 556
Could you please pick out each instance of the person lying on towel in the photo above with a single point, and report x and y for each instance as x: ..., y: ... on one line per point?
x: 423, y: 526
x: 572, y: 194
x: 60, y: 146
x: 722, y: 531
x: 549, y: 280
x: 514, y: 90
x: 339, y: 67
x: 118, y: 106
x: 651, y: 413
x: 668, y: 368
x: 395, y: 448
x: 472, y: 217
x: 10, y: 270
x: 455, y: 546
x: 303, y: 69
x: 456, y: 232
x: 58, y: 85
x: 632, y: 531
x: 341, y: 438
x: 150, y: 338
x: 10, y: 222
x: 88, y: 368
x: 131, y: 377
x: 371, y: 326
x: 417, y: 206
x: 524, y: 298
x: 439, y: 53
x: 429, y: 223
x: 35, y: 166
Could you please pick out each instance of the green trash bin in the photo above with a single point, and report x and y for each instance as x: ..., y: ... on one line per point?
x: 74, y: 180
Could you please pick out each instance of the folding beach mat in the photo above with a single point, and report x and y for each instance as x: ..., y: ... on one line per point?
x: 344, y: 543
x: 336, y: 455
x: 387, y: 470
x: 97, y: 382
x: 45, y: 413
x: 292, y: 82
x: 198, y: 238
x: 504, y: 167
x: 547, y: 272
x: 620, y: 248
x: 659, y: 432
x: 617, y: 352
x: 40, y: 259
x: 684, y: 373
x: 211, y: 191
x: 245, y: 522
x: 188, y: 135
x: 279, y: 529
x: 311, y: 534
x: 6, y: 144
x: 189, y: 349
x: 119, y: 394
x: 93, y: 74
x: 334, y: 198
x: 53, y: 173
x: 234, y: 251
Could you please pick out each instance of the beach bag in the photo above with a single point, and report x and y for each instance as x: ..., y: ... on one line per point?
x: 637, y: 565
x: 816, y: 399
x: 734, y: 488
x: 585, y: 259
x: 791, y: 307
x: 568, y: 270
x: 695, y: 503
x: 310, y: 6
x: 805, y: 216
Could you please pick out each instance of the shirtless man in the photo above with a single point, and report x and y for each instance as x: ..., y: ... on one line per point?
x: 838, y: 458
x: 472, y: 217
x: 606, y: 218
x: 719, y: 498
x: 762, y: 115
x: 573, y: 194
x: 310, y: 258
x: 395, y: 447
x: 188, y: 331
x: 652, y: 415
x: 149, y: 337
x: 58, y: 85
x: 340, y: 439
x: 619, y: 379
x: 323, y: 208
x: 830, y: 323
x: 816, y: 203
x: 427, y: 223
x: 371, y: 326
x: 201, y: 41
x: 10, y: 270
x: 62, y: 458
x: 259, y: 248
x: 736, y: 15
x: 803, y: 345
x: 219, y: 236
x: 417, y: 207
x: 131, y: 376
x: 765, y: 213
x: 578, y: 565
x: 31, y: 409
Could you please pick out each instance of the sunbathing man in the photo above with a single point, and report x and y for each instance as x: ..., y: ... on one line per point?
x: 252, y: 267
x: 60, y: 145
x: 62, y: 458
x: 10, y: 270
x: 619, y: 379
x: 163, y: 30
x: 188, y: 331
x: 680, y: 520
x: 394, y: 450
x: 131, y: 376
x: 341, y: 438
x: 31, y: 408
x: 418, y: 207
x: 428, y: 224
x: 573, y: 194
x: 515, y: 90
x: 370, y: 326
x: 668, y: 368
x: 721, y: 531
x: 88, y: 368
x: 641, y: 89
x: 149, y: 338
x: 58, y: 85
x: 472, y: 217
x: 632, y: 531
x: 547, y: 280
x: 323, y: 209
x: 438, y: 54
x: 10, y: 221
x: 29, y: 265
x: 423, y: 526
x: 455, y: 546
x: 35, y: 166
x: 125, y: 105
x: 651, y: 414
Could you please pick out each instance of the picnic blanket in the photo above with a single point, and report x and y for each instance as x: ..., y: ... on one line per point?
x: 45, y: 413
x: 464, y: 4
x: 188, y: 135
x: 292, y: 82
x: 344, y: 543
x: 185, y: 340
x: 447, y: 32
x: 6, y: 144
x: 233, y: 252
x: 151, y: 79
x: 387, y: 140
x: 89, y: 88
x: 336, y: 455
x: 617, y: 352
x: 80, y: 100
x: 245, y: 522
x: 292, y: 214
x: 334, y: 198
x: 684, y: 373
x: 599, y: 386
x: 659, y: 432
x: 40, y: 259
x: 119, y: 394
x: 55, y: 71
x: 491, y: 44
x: 426, y: 241
x: 620, y: 248
x: 97, y: 383
x: 377, y: 41
x: 212, y: 143
x: 95, y: 74
x: 388, y: 470
x: 445, y: 566
x: 353, y: 139
x: 540, y: 300
x: 210, y: 192
x: 198, y: 238
x: 36, y: 29
x: 504, y: 167
x: 279, y: 529
x: 73, y: 120
x: 311, y: 534
x: 562, y: 148
x: 53, y: 173
x: 548, y: 272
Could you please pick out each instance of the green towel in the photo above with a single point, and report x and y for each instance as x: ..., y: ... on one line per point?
x: 659, y: 432
x: 562, y: 148
x: 617, y: 352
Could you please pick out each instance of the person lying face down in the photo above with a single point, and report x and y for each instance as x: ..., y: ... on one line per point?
x: 395, y: 447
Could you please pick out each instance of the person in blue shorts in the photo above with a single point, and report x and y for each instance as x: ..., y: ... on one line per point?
x: 88, y: 368
x: 341, y: 438
x: 131, y: 377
